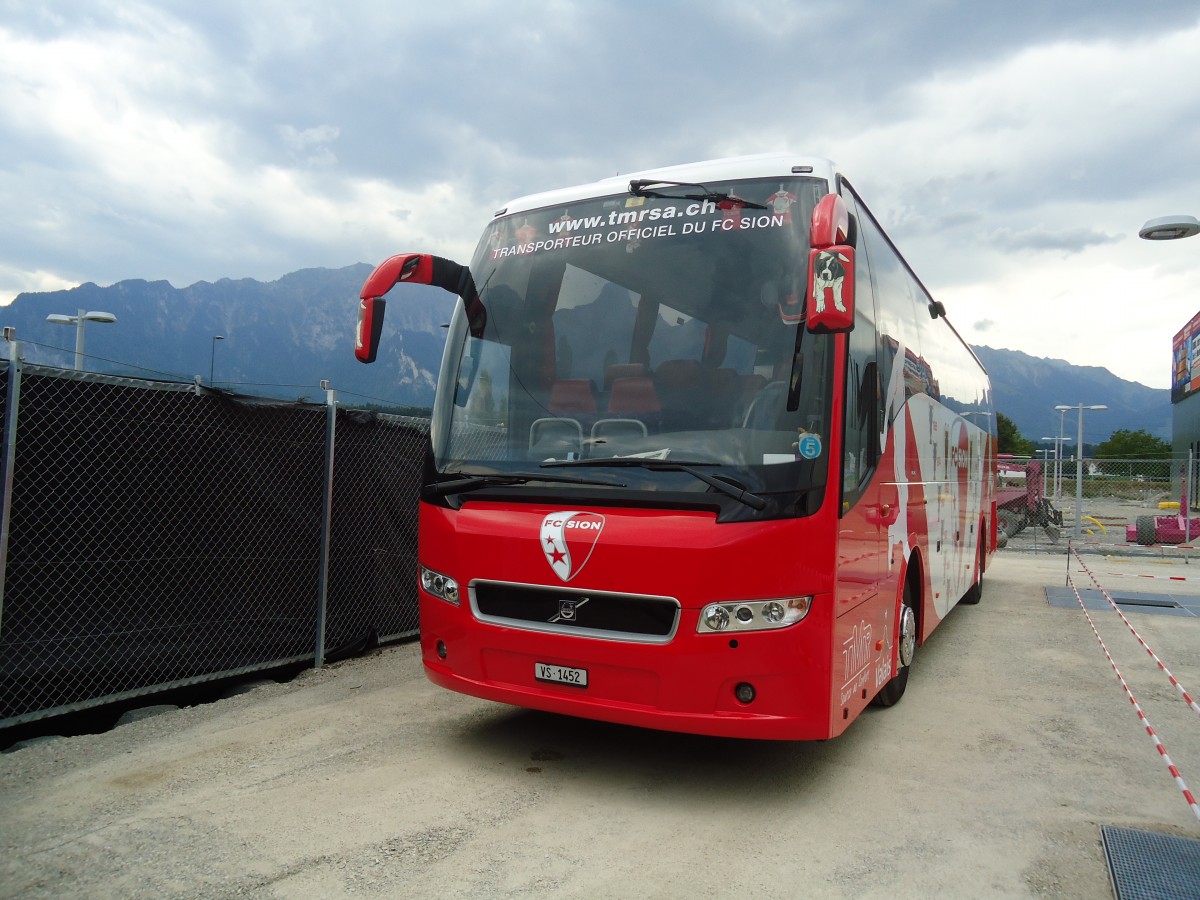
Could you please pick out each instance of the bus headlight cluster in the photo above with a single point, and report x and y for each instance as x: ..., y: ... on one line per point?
x: 441, y: 586
x: 752, y: 615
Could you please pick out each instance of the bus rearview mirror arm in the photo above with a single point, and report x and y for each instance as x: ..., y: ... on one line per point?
x: 412, y: 268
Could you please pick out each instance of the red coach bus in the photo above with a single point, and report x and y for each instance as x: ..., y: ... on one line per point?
x: 705, y: 455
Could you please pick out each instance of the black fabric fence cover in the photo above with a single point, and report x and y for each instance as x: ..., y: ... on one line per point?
x: 161, y: 534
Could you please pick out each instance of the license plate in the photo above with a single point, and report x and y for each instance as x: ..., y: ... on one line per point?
x: 560, y: 674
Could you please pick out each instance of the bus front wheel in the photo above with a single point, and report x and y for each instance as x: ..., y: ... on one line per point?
x: 890, y: 693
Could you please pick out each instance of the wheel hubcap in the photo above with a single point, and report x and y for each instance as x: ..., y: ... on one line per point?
x: 908, y: 635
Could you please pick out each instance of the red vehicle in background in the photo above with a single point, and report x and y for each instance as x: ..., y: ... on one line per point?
x: 1174, y: 529
x: 1021, y: 500
x: 705, y: 455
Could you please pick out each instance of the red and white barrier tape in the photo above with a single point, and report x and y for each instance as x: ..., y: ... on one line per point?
x: 1155, y: 577
x: 1187, y: 698
x: 1147, y: 546
x: 1158, y: 745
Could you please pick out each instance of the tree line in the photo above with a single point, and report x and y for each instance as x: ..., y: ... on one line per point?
x: 1121, y: 444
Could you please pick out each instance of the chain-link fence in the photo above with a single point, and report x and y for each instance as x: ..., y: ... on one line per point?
x: 155, y: 535
x: 1101, y: 502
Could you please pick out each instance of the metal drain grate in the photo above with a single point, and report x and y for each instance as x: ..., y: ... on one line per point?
x: 1162, y: 604
x: 1145, y: 865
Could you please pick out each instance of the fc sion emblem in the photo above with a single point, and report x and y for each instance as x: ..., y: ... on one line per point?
x: 568, y: 539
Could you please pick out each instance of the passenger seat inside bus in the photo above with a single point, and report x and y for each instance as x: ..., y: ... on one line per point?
x: 555, y: 437
x: 608, y: 431
x: 572, y: 395
x: 677, y: 382
x: 635, y: 398
x: 572, y: 406
x: 622, y: 370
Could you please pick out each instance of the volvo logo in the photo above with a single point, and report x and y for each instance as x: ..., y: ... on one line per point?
x: 568, y: 609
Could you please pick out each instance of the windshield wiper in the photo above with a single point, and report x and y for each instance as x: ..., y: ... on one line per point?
x: 640, y: 187
x: 471, y: 482
x: 729, y: 488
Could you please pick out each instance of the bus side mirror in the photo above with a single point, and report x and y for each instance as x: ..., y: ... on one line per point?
x: 829, y: 306
x: 416, y: 268
x: 370, y: 326
x: 411, y: 268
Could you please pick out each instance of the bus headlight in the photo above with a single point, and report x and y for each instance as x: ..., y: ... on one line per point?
x: 714, y: 618
x: 773, y: 612
x: 753, y: 615
x: 441, y: 586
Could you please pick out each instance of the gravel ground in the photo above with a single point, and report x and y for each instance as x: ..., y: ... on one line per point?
x: 991, y: 778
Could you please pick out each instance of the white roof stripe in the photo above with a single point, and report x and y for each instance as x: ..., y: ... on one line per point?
x: 763, y: 165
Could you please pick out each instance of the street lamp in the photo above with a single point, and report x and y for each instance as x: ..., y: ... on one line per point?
x: 1079, y: 463
x: 212, y: 360
x: 1169, y: 228
x: 77, y: 320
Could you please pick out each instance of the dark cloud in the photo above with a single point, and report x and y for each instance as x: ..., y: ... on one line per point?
x: 1045, y: 239
x: 497, y: 100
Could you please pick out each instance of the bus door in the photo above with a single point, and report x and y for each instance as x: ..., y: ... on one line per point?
x: 862, y: 631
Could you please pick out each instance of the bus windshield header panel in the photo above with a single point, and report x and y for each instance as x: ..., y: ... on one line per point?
x: 664, y: 328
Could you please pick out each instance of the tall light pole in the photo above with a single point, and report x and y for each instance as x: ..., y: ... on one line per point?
x: 1171, y: 228
x: 77, y: 320
x: 212, y: 359
x: 1079, y: 464
x: 1062, y: 442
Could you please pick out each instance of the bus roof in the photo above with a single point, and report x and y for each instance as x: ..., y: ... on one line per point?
x: 763, y: 165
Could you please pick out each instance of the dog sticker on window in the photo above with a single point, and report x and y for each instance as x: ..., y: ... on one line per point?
x: 829, y: 274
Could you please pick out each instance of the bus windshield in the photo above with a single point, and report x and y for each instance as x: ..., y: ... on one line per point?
x: 662, y: 327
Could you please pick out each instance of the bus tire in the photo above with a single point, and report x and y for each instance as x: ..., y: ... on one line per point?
x: 890, y: 693
x: 975, y: 592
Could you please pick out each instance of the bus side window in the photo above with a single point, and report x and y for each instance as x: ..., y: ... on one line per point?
x: 869, y: 396
x: 861, y: 416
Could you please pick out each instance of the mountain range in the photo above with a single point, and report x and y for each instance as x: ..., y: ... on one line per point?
x: 1027, y: 388
x: 282, y: 338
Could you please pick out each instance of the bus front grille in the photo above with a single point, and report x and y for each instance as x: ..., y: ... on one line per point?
x: 598, y: 614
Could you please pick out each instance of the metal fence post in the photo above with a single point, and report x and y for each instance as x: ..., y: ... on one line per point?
x: 326, y: 518
x: 8, y: 463
x: 1187, y: 497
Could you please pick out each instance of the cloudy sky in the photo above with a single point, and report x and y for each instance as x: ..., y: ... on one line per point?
x: 1011, y: 149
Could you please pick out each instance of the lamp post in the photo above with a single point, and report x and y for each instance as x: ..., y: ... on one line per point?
x: 1062, y: 442
x: 1057, y: 460
x: 1079, y: 464
x: 1169, y: 228
x: 212, y: 359
x: 77, y: 320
